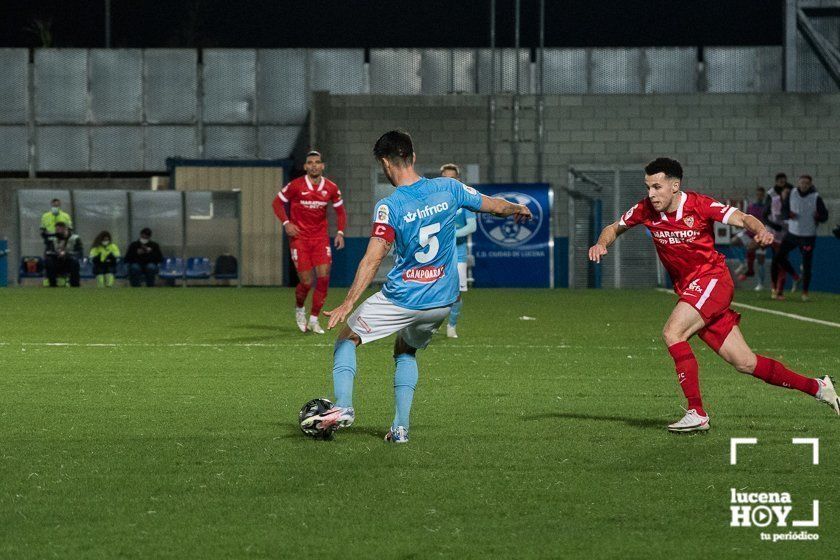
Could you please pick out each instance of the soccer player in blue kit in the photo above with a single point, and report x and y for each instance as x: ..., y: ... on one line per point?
x: 465, y: 224
x: 419, y: 218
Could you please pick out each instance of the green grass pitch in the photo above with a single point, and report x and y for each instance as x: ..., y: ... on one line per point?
x: 162, y: 424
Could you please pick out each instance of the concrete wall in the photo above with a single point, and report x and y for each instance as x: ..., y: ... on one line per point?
x: 728, y: 143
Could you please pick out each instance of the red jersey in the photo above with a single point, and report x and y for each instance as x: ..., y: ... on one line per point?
x: 308, y: 206
x: 684, y: 239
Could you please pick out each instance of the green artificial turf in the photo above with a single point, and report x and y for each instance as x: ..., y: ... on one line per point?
x: 164, y: 426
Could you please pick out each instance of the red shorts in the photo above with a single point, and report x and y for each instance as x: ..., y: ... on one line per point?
x: 309, y: 253
x: 711, y: 296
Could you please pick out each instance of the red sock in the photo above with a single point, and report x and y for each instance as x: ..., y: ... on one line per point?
x: 780, y: 283
x: 687, y: 374
x: 301, y: 292
x: 773, y: 372
x: 751, y: 262
x: 322, y: 284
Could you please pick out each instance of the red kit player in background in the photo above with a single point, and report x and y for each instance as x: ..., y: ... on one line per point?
x: 306, y: 226
x: 681, y: 225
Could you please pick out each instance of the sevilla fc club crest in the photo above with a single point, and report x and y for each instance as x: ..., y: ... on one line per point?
x: 689, y: 221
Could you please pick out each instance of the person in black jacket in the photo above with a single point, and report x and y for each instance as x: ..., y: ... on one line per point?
x: 62, y: 255
x: 143, y: 258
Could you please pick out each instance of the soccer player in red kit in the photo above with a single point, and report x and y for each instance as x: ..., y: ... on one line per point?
x: 306, y: 226
x: 681, y: 225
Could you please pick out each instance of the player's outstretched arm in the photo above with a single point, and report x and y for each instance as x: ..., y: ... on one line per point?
x: 376, y: 251
x: 502, y: 208
x: 753, y: 225
x: 608, y: 236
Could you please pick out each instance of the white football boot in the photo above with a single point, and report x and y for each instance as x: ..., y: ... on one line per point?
x: 336, y: 416
x: 451, y: 332
x: 300, y: 318
x: 758, y: 287
x: 314, y: 326
x: 827, y: 393
x: 691, y: 422
x: 398, y: 434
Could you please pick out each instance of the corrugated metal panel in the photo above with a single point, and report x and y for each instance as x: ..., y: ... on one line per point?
x: 168, y: 141
x: 277, y: 142
x: 238, y: 142
x: 671, y: 70
x: 170, y: 85
x: 565, y: 71
x: 116, y: 148
x: 230, y: 78
x: 616, y: 70
x: 282, y: 97
x: 62, y: 148
x: 445, y: 71
x: 14, y: 88
x: 506, y: 61
x: 812, y: 76
x: 341, y: 71
x: 61, y: 94
x: 395, y: 71
x: 743, y: 69
x: 116, y: 85
x: 14, y: 148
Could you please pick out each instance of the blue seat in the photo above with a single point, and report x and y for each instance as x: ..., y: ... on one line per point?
x: 86, y: 269
x: 31, y: 267
x: 172, y: 269
x: 199, y: 268
x: 122, y: 268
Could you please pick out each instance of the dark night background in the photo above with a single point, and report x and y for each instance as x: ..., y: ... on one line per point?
x: 395, y: 23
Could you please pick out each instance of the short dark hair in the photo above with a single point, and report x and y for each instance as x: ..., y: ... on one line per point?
x: 811, y: 179
x: 670, y: 167
x: 60, y: 224
x: 55, y: 200
x: 780, y: 176
x: 314, y: 153
x: 395, y: 146
x: 146, y: 231
x: 760, y: 188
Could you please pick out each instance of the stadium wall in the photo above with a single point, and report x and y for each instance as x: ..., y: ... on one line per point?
x: 728, y: 144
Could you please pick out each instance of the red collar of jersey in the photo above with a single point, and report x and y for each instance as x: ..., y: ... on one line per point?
x: 679, y: 212
x: 311, y: 186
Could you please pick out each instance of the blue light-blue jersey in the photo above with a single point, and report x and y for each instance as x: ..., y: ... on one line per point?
x: 423, y: 217
x: 461, y: 218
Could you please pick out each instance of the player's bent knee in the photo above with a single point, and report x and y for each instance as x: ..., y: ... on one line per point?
x: 672, y: 336
x: 402, y: 347
x: 347, y: 334
x: 745, y: 365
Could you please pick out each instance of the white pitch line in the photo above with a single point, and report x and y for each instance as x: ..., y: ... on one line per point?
x: 773, y: 312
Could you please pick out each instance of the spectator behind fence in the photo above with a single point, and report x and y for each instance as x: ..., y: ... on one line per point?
x: 143, y: 258
x: 804, y: 210
x: 62, y: 255
x: 51, y: 218
x: 103, y: 256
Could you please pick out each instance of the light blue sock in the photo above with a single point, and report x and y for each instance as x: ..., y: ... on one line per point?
x: 344, y: 371
x: 455, y: 312
x: 405, y: 380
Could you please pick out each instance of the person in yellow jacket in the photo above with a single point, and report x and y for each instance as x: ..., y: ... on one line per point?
x: 52, y: 217
x: 103, y: 256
